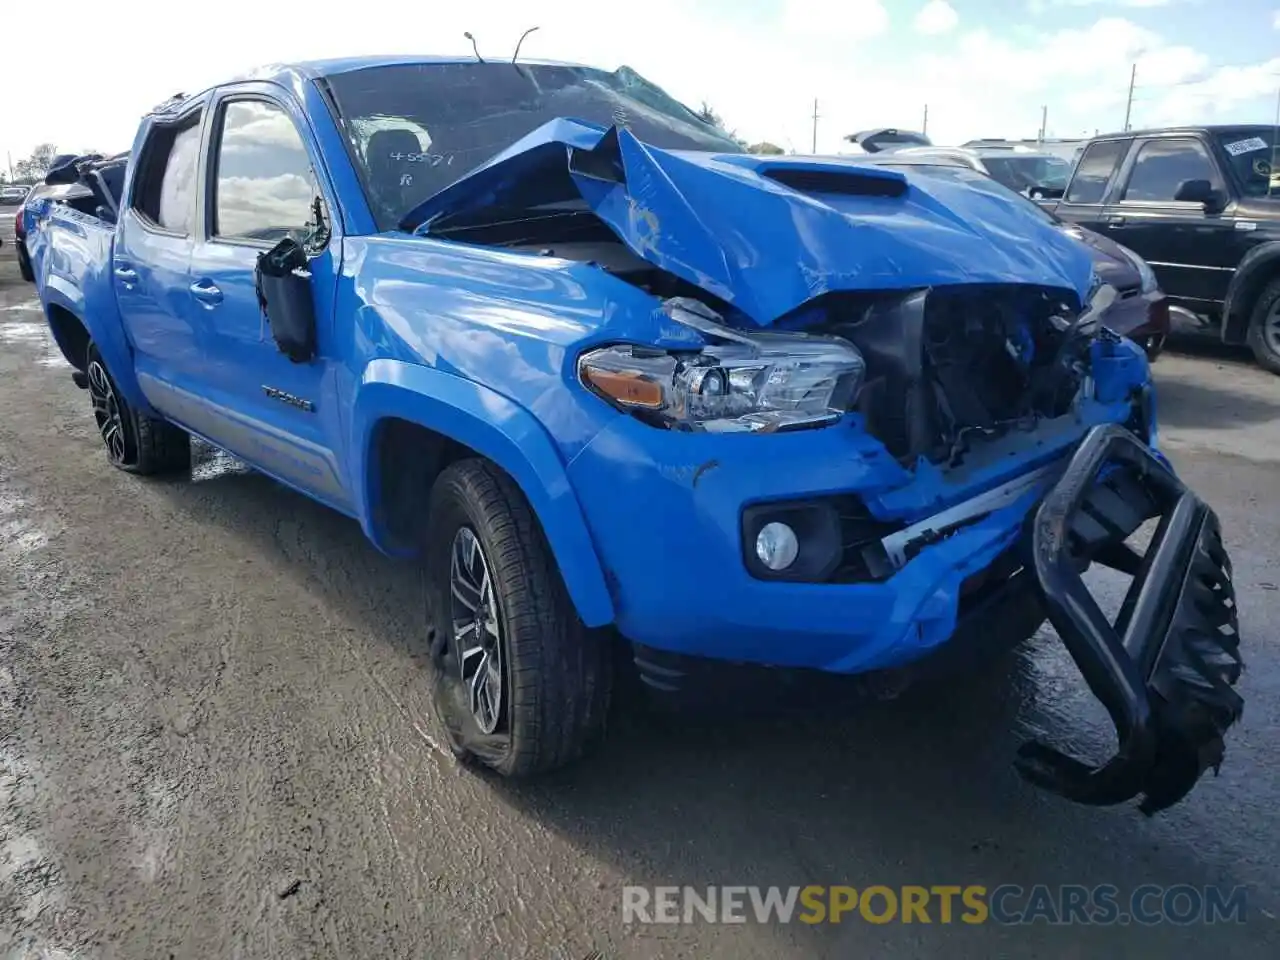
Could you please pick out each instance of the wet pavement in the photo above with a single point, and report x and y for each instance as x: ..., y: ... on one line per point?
x: 215, y: 741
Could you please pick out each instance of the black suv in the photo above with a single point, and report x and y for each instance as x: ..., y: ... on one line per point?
x: 1202, y: 206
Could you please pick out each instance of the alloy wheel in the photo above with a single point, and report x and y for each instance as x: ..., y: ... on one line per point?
x: 106, y: 411
x: 476, y: 630
x: 1271, y: 328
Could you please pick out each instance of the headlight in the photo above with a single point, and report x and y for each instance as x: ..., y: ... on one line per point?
x: 739, y: 382
x: 1147, y: 275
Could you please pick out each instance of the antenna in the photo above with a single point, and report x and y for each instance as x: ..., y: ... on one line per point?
x: 474, y: 48
x: 515, y: 55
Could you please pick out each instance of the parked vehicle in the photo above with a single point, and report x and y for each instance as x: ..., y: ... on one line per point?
x: 1202, y: 206
x: 1068, y: 149
x: 1140, y: 312
x: 9, y: 196
x: 612, y: 372
x: 1036, y: 175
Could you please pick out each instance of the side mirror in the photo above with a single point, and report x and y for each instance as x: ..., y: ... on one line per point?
x: 1199, y: 191
x: 283, y: 282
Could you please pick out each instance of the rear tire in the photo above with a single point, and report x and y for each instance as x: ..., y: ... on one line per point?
x: 134, y: 443
x: 24, y: 262
x: 499, y: 608
x: 1264, y: 328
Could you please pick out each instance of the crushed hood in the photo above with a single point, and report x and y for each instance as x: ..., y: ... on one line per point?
x: 768, y: 234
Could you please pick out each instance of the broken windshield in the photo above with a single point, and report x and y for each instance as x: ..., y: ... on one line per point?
x: 416, y: 128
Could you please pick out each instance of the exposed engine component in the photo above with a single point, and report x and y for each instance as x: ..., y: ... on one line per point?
x: 950, y: 364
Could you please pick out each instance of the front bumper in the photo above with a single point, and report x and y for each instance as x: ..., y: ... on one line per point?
x: 1166, y: 668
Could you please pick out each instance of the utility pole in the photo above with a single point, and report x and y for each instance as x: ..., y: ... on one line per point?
x: 924, y: 127
x: 1128, y: 106
x: 1044, y: 121
x: 815, y: 125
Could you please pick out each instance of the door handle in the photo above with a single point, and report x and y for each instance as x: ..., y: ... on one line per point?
x: 126, y: 276
x: 207, y: 292
x: 1115, y: 221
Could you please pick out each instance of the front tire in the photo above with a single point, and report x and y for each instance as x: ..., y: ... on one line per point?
x: 521, y: 685
x: 134, y: 443
x: 1264, y: 328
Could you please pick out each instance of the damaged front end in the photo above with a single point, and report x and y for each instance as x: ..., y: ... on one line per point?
x: 966, y: 338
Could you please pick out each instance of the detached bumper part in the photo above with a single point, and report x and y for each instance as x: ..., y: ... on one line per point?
x: 1166, y: 669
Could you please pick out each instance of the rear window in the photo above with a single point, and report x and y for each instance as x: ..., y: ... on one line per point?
x: 1094, y: 171
x: 166, y: 191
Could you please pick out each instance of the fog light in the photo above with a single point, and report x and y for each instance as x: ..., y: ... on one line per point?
x: 777, y: 546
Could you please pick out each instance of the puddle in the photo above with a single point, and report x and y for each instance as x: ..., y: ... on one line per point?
x: 19, y: 536
x: 33, y: 332
x: 209, y: 462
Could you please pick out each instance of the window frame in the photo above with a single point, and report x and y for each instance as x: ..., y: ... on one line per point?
x: 1126, y: 148
x: 147, y: 182
x: 1131, y: 166
x: 207, y: 210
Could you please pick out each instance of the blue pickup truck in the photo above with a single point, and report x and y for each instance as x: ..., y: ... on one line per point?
x: 607, y: 376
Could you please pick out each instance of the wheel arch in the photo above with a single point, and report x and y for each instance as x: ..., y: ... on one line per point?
x: 410, y: 421
x: 68, y: 307
x: 1259, y: 266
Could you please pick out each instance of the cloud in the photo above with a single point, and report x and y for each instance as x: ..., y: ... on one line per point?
x: 1131, y: 4
x: 835, y: 21
x: 1275, y: 20
x: 761, y: 71
x: 936, y: 17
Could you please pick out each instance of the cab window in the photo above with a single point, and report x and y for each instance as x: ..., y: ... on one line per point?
x: 1161, y: 166
x: 263, y: 187
x: 1097, y: 165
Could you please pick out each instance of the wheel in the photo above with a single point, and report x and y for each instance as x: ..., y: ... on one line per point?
x: 521, y: 685
x: 1264, y: 328
x: 135, y: 444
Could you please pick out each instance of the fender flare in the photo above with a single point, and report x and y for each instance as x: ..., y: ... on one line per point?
x: 1250, y: 277
x: 500, y: 430
x: 105, y: 329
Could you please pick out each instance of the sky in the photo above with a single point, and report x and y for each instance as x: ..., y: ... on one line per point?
x: 984, y: 68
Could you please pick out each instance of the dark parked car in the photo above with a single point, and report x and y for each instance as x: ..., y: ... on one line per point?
x: 1202, y: 206
x: 1141, y: 312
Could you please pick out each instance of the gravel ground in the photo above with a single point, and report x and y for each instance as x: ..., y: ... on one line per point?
x: 215, y: 741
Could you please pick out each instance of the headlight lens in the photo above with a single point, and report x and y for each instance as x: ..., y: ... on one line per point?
x: 1149, y: 281
x: 758, y: 382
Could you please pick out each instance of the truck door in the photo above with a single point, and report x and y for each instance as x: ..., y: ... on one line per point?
x: 150, y: 259
x: 1189, y: 244
x: 260, y: 184
x: 1084, y: 201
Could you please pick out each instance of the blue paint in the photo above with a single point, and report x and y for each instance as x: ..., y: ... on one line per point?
x: 481, y: 345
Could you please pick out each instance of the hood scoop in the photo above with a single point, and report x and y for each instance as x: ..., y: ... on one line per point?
x: 842, y: 182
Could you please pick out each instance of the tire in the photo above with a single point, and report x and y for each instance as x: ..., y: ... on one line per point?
x: 1153, y: 344
x: 24, y: 262
x: 555, y: 675
x: 1264, y: 328
x: 134, y: 443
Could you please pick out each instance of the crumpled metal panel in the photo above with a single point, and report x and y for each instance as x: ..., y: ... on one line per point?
x: 723, y: 222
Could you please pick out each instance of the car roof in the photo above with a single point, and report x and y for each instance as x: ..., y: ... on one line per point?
x: 1211, y: 128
